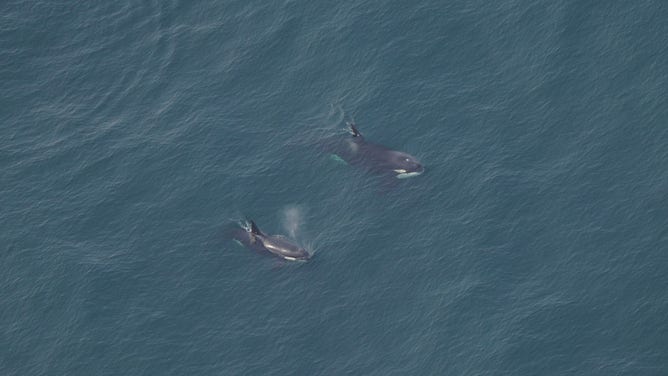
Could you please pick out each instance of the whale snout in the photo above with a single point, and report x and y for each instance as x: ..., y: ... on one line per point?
x: 405, y: 165
x: 410, y: 167
x: 301, y: 255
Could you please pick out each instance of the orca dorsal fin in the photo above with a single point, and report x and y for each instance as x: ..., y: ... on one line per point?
x: 353, y: 129
x: 254, y: 229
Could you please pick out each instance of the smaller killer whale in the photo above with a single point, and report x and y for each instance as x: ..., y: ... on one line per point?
x: 356, y: 151
x: 277, y: 245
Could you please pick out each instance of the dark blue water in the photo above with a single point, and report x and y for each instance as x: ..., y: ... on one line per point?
x: 132, y: 133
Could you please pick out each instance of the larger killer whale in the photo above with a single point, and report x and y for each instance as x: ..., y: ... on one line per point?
x: 277, y: 245
x: 357, y: 151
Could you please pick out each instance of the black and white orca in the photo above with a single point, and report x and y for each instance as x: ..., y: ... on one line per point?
x: 357, y: 151
x: 277, y: 245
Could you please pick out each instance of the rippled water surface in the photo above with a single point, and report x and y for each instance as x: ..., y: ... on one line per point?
x: 134, y: 134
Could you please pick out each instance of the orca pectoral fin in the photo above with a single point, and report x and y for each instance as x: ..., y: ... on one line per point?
x: 337, y: 159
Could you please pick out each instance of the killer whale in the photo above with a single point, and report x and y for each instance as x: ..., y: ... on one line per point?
x: 357, y: 151
x: 251, y: 237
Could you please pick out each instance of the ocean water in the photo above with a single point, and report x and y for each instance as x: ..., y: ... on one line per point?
x: 133, y: 133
